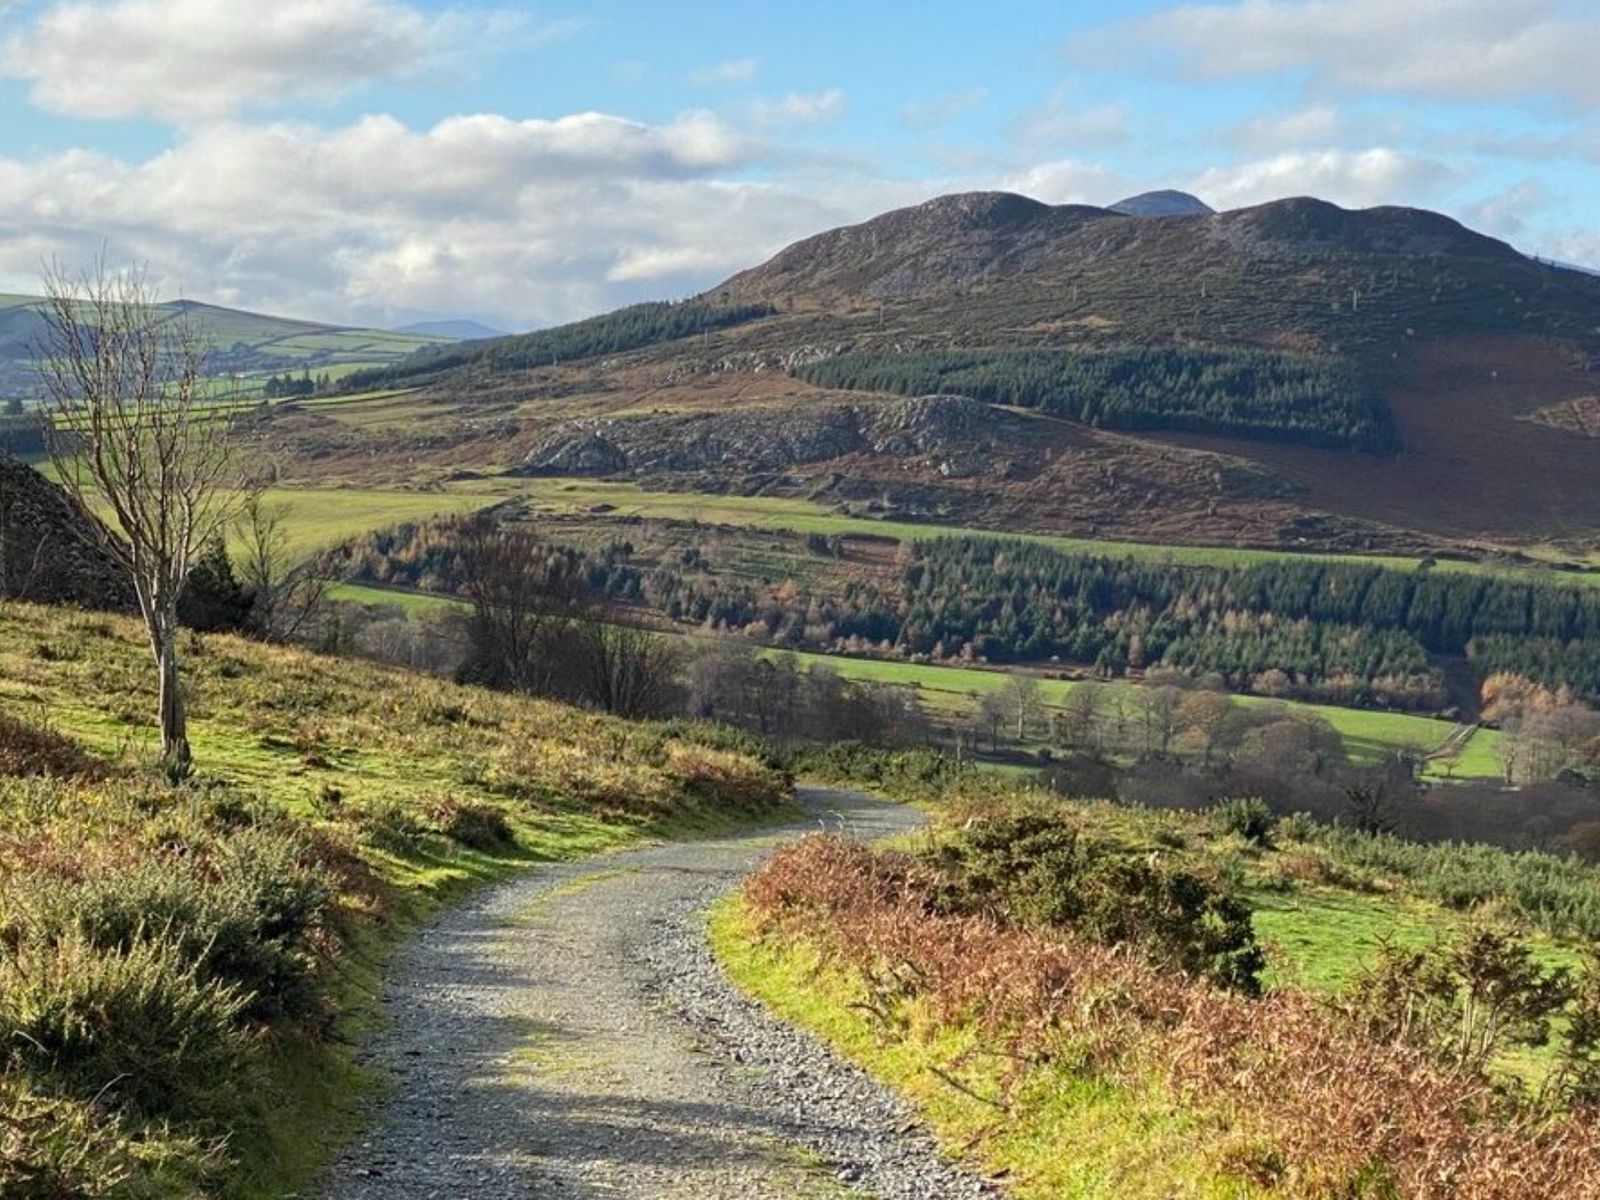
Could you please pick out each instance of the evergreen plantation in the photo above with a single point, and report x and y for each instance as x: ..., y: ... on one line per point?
x: 629, y: 328
x: 1339, y: 632
x: 1317, y: 400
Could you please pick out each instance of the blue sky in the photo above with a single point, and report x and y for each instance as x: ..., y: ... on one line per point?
x: 383, y: 160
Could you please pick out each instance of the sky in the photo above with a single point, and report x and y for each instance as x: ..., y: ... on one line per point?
x: 383, y: 161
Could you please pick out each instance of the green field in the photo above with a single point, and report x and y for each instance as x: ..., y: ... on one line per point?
x: 249, y: 347
x: 805, y: 516
x: 1367, y: 734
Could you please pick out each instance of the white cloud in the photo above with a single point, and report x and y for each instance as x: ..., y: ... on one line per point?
x: 735, y: 70
x: 1317, y: 125
x: 1061, y: 122
x: 1353, y: 178
x: 189, y: 61
x: 941, y: 110
x: 1461, y: 50
x: 801, y: 108
x: 1069, y: 181
x: 524, y: 222
x: 1506, y: 214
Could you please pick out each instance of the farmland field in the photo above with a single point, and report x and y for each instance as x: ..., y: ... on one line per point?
x: 947, y: 690
x: 804, y: 516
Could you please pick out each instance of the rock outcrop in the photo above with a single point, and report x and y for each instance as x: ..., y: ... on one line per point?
x: 51, y: 551
x: 955, y: 435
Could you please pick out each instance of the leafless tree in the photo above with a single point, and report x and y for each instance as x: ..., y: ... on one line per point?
x: 631, y: 672
x: 524, y: 609
x: 287, y: 594
x: 132, y: 438
x: 1024, y: 701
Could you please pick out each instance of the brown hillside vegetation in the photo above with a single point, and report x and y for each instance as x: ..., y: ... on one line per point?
x: 1475, y: 464
x: 1287, y: 1097
x: 1462, y: 339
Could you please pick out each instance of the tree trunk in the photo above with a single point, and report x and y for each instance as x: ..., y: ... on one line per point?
x: 175, y: 756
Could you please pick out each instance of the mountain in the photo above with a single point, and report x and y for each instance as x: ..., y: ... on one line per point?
x: 1166, y: 203
x: 459, y: 331
x: 243, y: 344
x: 1292, y: 373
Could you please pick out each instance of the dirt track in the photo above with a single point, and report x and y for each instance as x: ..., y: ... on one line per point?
x: 567, y: 1035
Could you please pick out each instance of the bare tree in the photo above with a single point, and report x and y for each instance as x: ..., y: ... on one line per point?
x: 1024, y: 701
x: 525, y: 609
x: 131, y: 438
x: 287, y: 594
x: 631, y: 672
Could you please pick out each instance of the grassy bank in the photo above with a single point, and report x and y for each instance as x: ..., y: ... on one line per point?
x: 184, y: 970
x: 1030, y: 978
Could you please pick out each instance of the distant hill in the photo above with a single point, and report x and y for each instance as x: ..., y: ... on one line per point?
x: 1292, y: 373
x: 245, y: 345
x: 1163, y: 204
x: 460, y: 331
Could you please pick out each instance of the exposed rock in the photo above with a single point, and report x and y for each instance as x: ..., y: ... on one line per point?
x: 50, y: 551
x: 954, y: 435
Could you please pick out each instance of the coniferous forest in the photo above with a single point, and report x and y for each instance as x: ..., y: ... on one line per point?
x: 1339, y: 632
x: 1318, y: 400
x: 626, y: 329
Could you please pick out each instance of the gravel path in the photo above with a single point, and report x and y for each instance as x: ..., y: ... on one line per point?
x: 567, y: 1034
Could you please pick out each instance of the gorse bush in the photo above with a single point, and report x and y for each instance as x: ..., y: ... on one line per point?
x: 1286, y: 1095
x: 31, y: 749
x: 1036, y: 868
x: 138, y: 1027
x: 246, y: 914
x: 1249, y: 817
x: 1558, y: 894
x: 169, y: 955
x: 53, y: 1148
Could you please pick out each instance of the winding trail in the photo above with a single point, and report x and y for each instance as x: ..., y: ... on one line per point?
x: 567, y: 1034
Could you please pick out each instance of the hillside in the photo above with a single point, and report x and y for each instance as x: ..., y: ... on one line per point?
x: 185, y: 969
x: 1289, y: 375
x: 244, y: 345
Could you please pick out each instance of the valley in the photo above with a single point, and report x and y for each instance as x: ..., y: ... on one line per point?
x: 1213, y: 595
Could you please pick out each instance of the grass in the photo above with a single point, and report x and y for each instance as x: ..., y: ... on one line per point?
x: 805, y: 516
x: 1029, y: 1062
x: 1368, y: 734
x: 1063, y: 1137
x: 407, y: 600
x: 948, y: 690
x: 370, y: 759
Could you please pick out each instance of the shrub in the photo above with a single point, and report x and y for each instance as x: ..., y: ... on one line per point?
x: 1289, y: 1093
x: 1250, y: 818
x: 138, y: 1027
x: 245, y: 914
x: 1039, y: 869
x: 52, y: 1148
x: 27, y: 749
x: 474, y: 825
x: 727, y: 779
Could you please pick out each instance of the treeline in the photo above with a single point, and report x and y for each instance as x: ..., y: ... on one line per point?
x: 1316, y: 400
x: 290, y: 387
x: 1308, y: 629
x: 1319, y: 621
x: 630, y: 328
